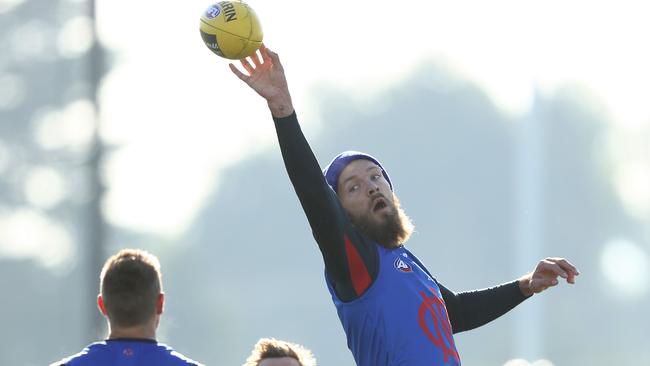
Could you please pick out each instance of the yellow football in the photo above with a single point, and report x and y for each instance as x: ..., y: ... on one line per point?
x: 231, y: 29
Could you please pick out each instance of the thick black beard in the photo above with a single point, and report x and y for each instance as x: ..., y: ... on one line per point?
x: 392, y: 233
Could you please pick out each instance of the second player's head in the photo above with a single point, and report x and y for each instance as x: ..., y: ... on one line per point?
x: 274, y: 352
x: 131, y: 289
x: 366, y: 193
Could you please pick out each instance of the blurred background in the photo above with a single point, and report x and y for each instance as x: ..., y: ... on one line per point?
x: 512, y: 130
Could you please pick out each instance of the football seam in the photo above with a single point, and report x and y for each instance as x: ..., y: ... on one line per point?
x: 225, y: 31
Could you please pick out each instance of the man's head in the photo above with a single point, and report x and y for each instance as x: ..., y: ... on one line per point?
x: 366, y: 193
x: 131, y: 289
x: 273, y: 352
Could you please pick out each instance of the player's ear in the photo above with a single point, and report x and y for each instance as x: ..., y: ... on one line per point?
x: 100, y: 304
x: 160, y: 303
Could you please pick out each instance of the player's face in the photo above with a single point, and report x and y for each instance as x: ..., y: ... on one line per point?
x: 364, y: 191
x: 281, y: 361
x: 371, y: 205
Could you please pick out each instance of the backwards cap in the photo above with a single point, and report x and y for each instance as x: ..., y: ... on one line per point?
x: 334, y: 169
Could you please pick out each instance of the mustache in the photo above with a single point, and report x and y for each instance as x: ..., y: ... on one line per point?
x: 377, y: 195
x: 395, y: 229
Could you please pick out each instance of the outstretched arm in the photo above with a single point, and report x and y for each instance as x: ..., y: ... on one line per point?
x: 329, y: 223
x: 472, y: 309
x: 469, y: 310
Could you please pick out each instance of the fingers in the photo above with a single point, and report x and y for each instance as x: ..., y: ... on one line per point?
x: 239, y: 74
x: 256, y: 59
x: 547, y: 266
x: 565, y: 264
x: 546, y: 275
x: 275, y: 59
x: 549, y: 269
x: 266, y: 57
x: 567, y: 267
x: 247, y: 65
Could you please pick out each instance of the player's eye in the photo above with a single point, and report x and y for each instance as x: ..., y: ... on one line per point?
x: 376, y: 176
x: 353, y: 188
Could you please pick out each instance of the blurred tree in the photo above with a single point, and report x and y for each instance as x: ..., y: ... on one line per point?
x: 51, y: 231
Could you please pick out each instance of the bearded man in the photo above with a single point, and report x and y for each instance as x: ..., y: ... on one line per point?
x: 393, y: 311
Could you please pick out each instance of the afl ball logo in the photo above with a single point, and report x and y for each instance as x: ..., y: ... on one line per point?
x: 402, y: 266
x: 213, y: 11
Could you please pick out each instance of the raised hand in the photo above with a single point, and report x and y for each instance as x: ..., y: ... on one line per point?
x: 266, y: 77
x: 545, y: 275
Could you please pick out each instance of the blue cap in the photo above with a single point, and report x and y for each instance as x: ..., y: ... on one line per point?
x: 334, y: 169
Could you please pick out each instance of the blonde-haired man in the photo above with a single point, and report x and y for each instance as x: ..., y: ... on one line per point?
x: 274, y: 352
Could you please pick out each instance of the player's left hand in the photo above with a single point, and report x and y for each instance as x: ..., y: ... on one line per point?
x: 546, y: 275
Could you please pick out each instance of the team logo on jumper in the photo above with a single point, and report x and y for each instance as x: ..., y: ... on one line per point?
x: 434, y: 321
x: 213, y: 11
x: 402, y: 266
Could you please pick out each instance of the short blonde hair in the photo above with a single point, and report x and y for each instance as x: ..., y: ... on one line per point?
x: 274, y: 348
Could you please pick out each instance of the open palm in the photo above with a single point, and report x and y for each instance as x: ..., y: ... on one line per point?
x: 265, y: 76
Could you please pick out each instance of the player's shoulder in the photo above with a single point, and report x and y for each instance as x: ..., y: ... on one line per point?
x: 173, y: 357
x: 93, y: 354
x: 149, y: 352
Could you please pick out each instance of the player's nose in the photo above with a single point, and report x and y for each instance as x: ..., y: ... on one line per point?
x: 372, y: 188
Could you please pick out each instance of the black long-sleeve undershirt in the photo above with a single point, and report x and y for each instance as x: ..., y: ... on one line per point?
x: 330, y: 225
x: 472, y: 309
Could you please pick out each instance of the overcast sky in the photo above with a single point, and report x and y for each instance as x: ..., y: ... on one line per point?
x: 174, y: 106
